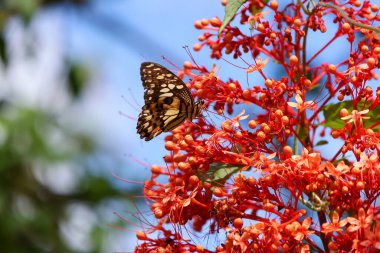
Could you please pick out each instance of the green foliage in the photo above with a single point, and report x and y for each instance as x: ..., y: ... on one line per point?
x: 321, y: 142
x: 34, y: 210
x: 333, y: 120
x: 25, y: 8
x: 257, y: 10
x: 218, y: 173
x: 78, y: 77
x: 3, y: 50
x: 231, y: 8
x: 33, y: 144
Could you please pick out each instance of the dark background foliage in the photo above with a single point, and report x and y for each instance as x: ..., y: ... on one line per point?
x: 38, y: 151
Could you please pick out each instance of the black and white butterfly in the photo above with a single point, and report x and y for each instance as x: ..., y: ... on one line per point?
x: 168, y: 101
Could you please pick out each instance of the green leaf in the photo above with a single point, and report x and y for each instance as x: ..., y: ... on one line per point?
x: 255, y: 10
x: 3, y: 50
x: 333, y: 118
x: 322, y: 142
x: 304, y: 134
x: 231, y: 8
x: 218, y: 173
x: 26, y: 8
x: 77, y: 79
x: 315, y: 86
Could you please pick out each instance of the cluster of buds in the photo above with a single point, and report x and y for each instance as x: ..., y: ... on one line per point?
x: 241, y: 175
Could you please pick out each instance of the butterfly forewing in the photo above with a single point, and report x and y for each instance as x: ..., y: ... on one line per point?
x: 168, y: 101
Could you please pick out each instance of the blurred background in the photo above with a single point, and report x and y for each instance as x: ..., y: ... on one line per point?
x: 70, y: 94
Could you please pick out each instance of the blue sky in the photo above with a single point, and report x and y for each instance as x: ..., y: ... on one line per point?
x: 115, y: 38
x: 112, y: 38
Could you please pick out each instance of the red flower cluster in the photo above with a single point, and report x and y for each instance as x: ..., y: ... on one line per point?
x: 243, y: 177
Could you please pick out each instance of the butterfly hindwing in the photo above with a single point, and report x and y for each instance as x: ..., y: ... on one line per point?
x: 167, y: 101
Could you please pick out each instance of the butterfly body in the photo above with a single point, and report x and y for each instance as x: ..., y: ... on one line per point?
x: 168, y: 101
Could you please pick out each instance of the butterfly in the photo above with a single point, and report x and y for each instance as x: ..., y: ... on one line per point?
x: 168, y: 101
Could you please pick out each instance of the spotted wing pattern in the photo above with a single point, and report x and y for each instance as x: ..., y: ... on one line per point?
x: 168, y: 101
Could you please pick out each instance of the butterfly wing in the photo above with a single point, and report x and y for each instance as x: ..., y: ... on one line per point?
x: 168, y: 101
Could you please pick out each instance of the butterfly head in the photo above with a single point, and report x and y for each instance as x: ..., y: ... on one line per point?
x: 197, y: 109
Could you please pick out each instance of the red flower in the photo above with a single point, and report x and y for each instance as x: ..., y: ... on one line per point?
x: 272, y: 179
x: 362, y: 222
x: 335, y: 224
